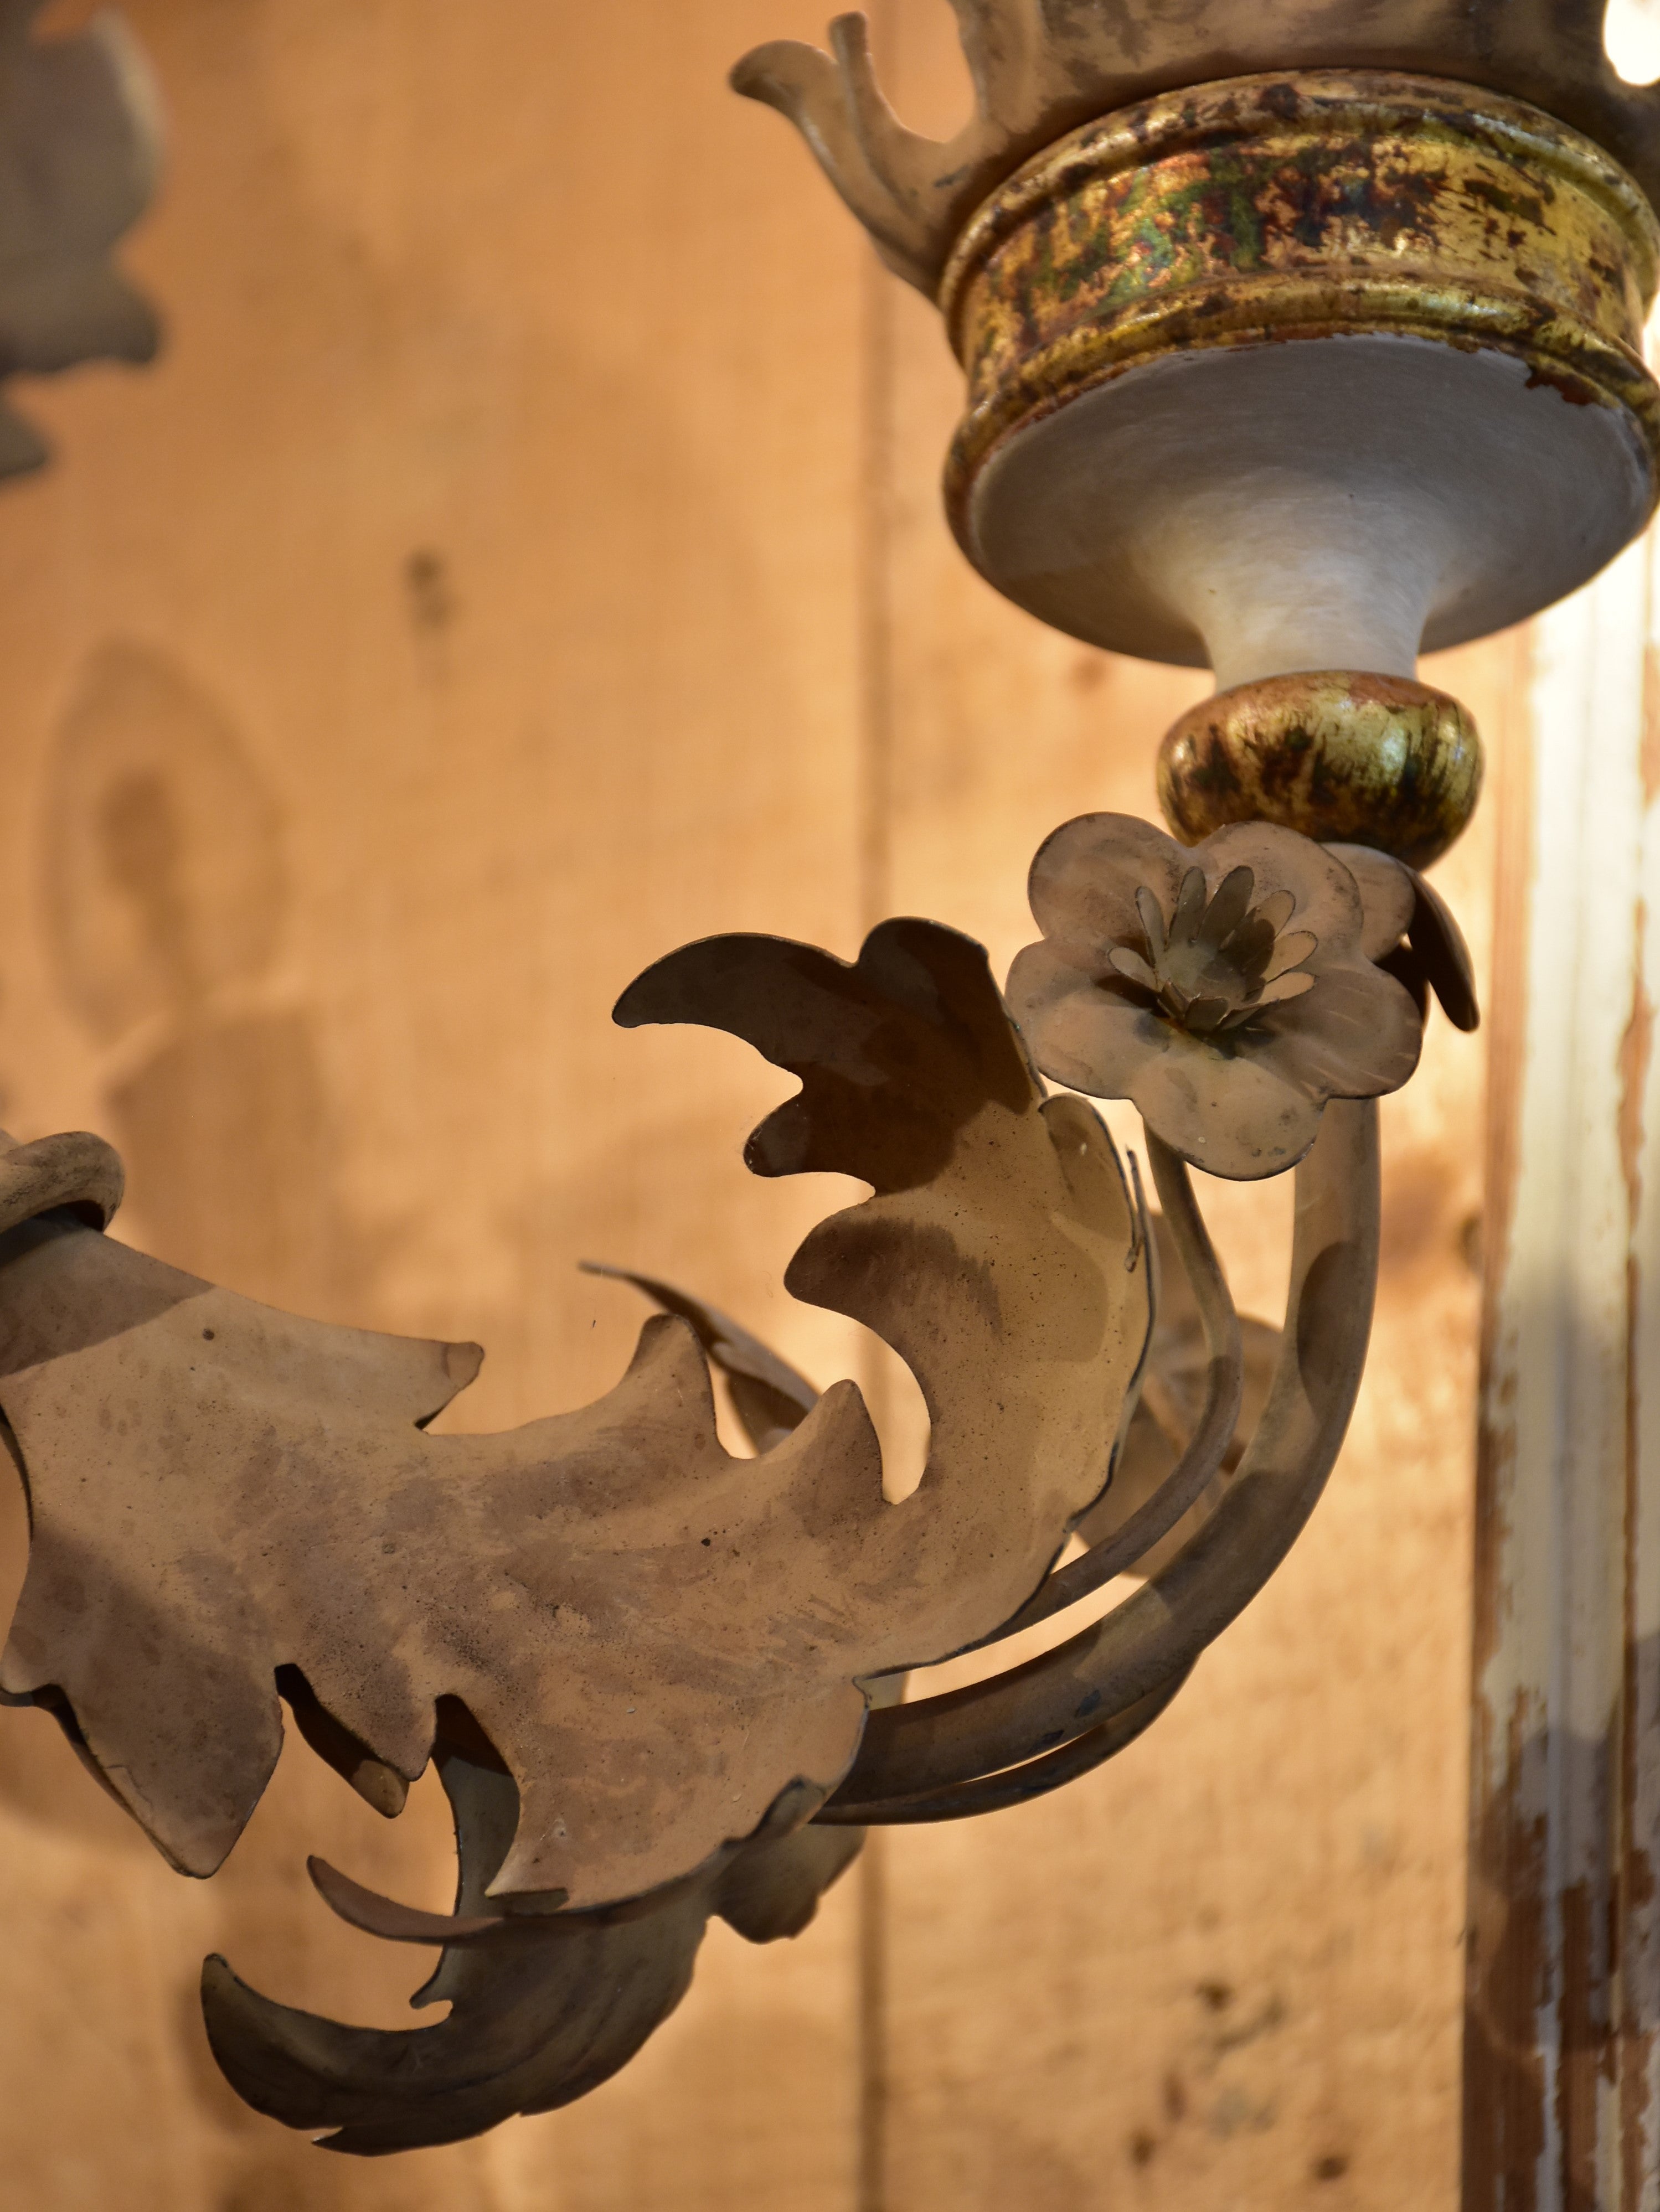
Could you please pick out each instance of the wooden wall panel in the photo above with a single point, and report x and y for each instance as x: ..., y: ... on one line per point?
x: 462, y: 613
x: 528, y: 555
x: 1562, y: 2059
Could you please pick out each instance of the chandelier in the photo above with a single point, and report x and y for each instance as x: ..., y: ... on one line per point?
x: 1297, y: 338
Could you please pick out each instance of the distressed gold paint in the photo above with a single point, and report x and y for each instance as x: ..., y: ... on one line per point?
x: 1273, y: 208
x: 1357, y: 759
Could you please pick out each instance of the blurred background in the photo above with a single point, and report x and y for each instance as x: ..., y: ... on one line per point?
x: 524, y: 557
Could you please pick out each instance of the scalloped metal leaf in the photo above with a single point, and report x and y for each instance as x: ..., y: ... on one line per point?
x: 541, y: 2012
x: 662, y: 1640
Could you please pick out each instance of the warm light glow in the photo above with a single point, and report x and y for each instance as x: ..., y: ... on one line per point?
x: 1631, y: 34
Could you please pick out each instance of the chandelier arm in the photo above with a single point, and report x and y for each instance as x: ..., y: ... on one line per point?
x: 1207, y: 1448
x: 770, y: 1398
x: 913, y: 1749
x: 77, y: 1171
x: 1018, y: 1785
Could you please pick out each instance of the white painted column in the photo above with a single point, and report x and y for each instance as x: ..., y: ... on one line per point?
x: 1562, y: 2090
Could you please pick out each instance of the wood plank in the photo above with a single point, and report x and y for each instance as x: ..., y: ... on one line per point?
x: 1226, y: 1969
x: 462, y: 613
x: 1563, y: 2087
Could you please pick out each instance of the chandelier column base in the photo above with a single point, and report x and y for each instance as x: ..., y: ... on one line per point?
x: 1309, y: 371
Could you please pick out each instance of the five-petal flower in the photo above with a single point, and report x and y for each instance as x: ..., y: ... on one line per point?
x: 1228, y: 990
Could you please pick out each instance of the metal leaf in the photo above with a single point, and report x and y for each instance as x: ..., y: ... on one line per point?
x: 542, y: 2010
x: 663, y: 1641
x: 1154, y: 1637
x: 768, y: 1396
x: 1414, y: 933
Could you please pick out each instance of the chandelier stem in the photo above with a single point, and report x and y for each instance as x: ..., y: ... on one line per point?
x: 1158, y: 1633
x: 1207, y: 1448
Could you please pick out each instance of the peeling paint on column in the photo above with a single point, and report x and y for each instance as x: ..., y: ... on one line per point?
x: 1636, y: 1926
x: 1562, y: 2098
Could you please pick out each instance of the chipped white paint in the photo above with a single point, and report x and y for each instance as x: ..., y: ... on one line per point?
x: 1563, y: 2096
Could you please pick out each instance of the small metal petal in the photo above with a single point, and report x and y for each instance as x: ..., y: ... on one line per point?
x: 1290, y: 952
x: 392, y: 1922
x: 1277, y: 909
x: 1251, y: 945
x: 1189, y: 907
x: 1228, y: 908
x: 1084, y: 879
x: 1291, y: 985
x: 1134, y: 968
x: 1282, y: 989
x: 1388, y: 896
x: 1152, y: 920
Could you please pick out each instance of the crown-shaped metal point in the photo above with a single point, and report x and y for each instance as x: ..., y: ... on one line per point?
x: 1040, y: 68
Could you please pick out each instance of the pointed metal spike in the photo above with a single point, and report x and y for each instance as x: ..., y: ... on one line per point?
x: 377, y: 1915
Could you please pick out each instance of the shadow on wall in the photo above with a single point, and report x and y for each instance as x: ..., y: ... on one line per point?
x: 166, y: 899
x: 165, y: 896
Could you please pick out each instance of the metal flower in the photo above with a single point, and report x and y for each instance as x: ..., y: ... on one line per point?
x: 1229, y: 991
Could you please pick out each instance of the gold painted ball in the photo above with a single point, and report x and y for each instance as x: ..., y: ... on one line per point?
x: 1342, y: 757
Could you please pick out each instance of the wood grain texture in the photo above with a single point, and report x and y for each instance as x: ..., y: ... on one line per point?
x: 462, y: 614
x: 528, y: 556
x: 1562, y: 2085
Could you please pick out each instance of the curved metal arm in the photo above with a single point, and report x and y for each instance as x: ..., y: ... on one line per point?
x: 941, y: 1742
x: 1015, y: 1785
x: 1199, y: 1465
